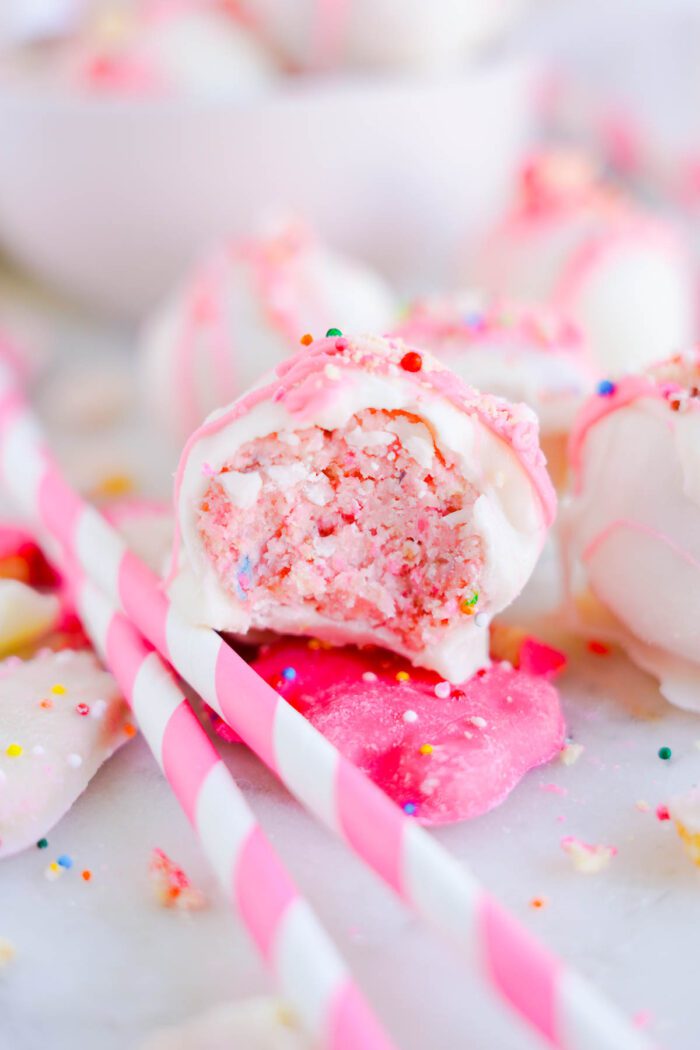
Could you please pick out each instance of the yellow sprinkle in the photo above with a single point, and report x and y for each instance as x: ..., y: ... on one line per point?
x: 14, y: 750
x: 7, y: 951
x: 403, y: 676
x: 115, y: 485
x: 59, y: 690
x: 426, y: 749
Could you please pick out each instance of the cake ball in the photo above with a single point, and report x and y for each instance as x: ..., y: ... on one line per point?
x: 522, y: 353
x: 576, y: 242
x: 366, y: 495
x: 632, y: 532
x: 379, y: 33
x: 242, y: 311
x: 163, y: 47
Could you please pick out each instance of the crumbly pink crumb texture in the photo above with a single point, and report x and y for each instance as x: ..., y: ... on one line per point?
x: 682, y: 370
x: 368, y: 522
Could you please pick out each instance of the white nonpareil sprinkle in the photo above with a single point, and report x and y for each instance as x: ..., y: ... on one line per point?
x: 74, y: 761
x: 443, y: 690
x: 410, y: 716
x: 478, y: 721
x: 481, y: 619
x: 98, y: 708
x: 369, y: 676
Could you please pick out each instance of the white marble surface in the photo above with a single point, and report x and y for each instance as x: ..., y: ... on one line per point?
x: 99, y: 964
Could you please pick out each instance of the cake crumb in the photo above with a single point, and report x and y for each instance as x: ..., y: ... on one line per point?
x: 171, y: 887
x: 586, y: 858
x: 570, y: 754
x: 7, y: 952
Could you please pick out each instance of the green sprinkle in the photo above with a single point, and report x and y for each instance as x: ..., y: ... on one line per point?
x: 333, y: 332
x: 665, y: 753
x: 42, y: 843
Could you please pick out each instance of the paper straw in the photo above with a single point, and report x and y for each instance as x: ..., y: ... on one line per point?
x: 561, y: 1006
x: 310, y: 973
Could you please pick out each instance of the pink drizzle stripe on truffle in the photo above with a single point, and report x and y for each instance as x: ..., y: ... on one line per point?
x: 644, y: 530
x: 262, y: 889
x: 60, y: 507
x: 143, y: 601
x: 627, y: 390
x: 188, y: 757
x: 521, y: 968
x: 125, y: 651
x: 352, y: 1025
x: 372, y: 824
x: 248, y: 703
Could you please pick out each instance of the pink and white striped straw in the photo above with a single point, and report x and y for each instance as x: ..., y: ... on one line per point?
x: 310, y: 973
x: 567, y: 1012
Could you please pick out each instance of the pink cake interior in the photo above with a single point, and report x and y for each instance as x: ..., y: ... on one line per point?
x: 348, y: 524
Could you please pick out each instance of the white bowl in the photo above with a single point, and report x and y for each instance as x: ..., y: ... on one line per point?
x: 109, y: 199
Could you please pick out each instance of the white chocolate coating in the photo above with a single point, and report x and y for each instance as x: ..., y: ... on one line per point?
x: 242, y: 312
x: 149, y: 48
x: 632, y: 531
x: 61, y: 750
x: 621, y: 272
x: 380, y: 33
x: 522, y: 353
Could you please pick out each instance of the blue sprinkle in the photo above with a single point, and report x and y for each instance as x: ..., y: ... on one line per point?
x: 409, y: 808
x: 243, y: 574
x: 474, y: 321
x: 65, y: 861
x: 289, y: 673
x: 606, y: 388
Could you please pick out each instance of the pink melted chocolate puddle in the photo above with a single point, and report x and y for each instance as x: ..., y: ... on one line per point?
x: 443, y: 758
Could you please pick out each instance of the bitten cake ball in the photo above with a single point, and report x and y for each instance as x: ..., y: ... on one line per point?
x: 633, y: 529
x: 575, y: 242
x: 244, y: 310
x: 160, y: 47
x: 364, y: 494
x: 523, y: 353
x: 379, y: 33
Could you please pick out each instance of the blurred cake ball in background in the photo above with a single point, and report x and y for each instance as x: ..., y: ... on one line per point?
x: 401, y: 34
x: 632, y: 528
x: 519, y: 352
x: 200, y: 47
x: 242, y: 311
x: 572, y: 240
